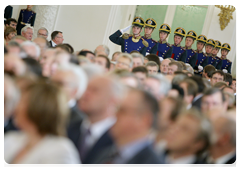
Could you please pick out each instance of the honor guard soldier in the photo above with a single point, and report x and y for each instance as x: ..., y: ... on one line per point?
x: 164, y: 48
x: 133, y: 42
x: 226, y: 64
x: 191, y: 54
x: 178, y: 53
x: 26, y: 17
x: 215, y: 51
x: 202, y: 59
x: 150, y: 25
x: 210, y: 44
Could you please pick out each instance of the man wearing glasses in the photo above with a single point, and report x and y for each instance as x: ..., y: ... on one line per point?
x: 42, y: 32
x: 217, y: 76
x: 56, y: 38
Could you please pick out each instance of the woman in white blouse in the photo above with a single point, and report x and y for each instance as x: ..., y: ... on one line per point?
x: 41, y: 115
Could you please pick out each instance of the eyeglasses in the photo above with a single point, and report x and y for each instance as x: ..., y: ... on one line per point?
x: 42, y: 34
x: 59, y: 37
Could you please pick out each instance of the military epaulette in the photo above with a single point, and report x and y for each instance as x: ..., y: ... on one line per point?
x: 194, y: 51
x: 125, y: 36
x: 218, y: 57
x: 145, y: 43
x: 228, y: 60
x: 154, y: 41
x: 34, y: 12
x: 168, y: 44
x: 182, y: 48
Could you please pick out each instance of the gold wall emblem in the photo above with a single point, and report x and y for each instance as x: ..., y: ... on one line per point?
x: 225, y: 15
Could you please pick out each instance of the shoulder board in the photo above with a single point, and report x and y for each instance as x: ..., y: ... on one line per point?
x: 218, y: 58
x: 154, y: 41
x: 145, y: 43
x: 182, y: 47
x: 204, y: 54
x: 34, y: 12
x: 228, y: 60
x: 125, y: 36
x: 22, y: 9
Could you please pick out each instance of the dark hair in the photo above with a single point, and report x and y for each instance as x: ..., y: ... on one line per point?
x: 192, y: 87
x: 9, y: 20
x: 213, y: 90
x: 33, y: 66
x: 209, y: 69
x: 219, y: 72
x: 200, y: 83
x: 70, y: 48
x: 179, y: 89
x: 54, y: 34
x: 84, y: 53
x: 107, y: 61
x: 74, y: 59
x: 228, y: 78
x: 141, y: 69
x: 153, y: 57
x: 235, y: 79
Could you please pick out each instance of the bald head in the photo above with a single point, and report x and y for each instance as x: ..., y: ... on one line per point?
x: 164, y: 66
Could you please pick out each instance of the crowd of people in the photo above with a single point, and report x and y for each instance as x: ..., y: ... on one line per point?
x: 63, y: 106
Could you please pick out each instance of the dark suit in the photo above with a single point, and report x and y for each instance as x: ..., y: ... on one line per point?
x: 197, y: 103
x: 50, y: 44
x: 104, y: 141
x: 145, y: 156
x: 75, y: 121
x: 8, y: 12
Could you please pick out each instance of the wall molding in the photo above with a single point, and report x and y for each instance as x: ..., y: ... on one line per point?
x: 170, y: 15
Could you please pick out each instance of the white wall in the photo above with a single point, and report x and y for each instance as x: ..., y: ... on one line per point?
x: 82, y: 26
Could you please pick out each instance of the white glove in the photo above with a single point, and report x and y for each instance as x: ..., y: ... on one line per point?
x: 161, y: 59
x: 125, y: 29
x: 200, y: 68
x: 224, y: 70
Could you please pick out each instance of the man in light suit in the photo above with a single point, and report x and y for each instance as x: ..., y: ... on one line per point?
x: 132, y: 144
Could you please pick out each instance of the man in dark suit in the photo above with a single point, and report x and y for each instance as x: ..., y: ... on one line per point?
x: 223, y: 146
x: 99, y: 102
x: 74, y: 82
x: 201, y: 86
x: 8, y: 12
x: 132, y: 144
x: 56, y: 38
x: 188, y: 138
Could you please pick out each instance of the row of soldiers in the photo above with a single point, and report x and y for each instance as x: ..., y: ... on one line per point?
x: 196, y: 58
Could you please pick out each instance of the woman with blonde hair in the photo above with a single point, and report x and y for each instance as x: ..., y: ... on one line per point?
x: 41, y: 116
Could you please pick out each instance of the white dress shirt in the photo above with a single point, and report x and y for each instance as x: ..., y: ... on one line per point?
x: 97, y: 129
x: 183, y: 160
x: 53, y: 43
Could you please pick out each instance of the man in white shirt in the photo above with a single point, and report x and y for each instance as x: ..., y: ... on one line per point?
x: 223, y: 143
x: 188, y: 138
x: 56, y: 38
x: 99, y: 102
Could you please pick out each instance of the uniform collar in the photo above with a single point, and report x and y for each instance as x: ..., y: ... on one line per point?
x: 162, y: 42
x: 209, y: 55
x: 188, y: 48
x: 147, y: 37
x: 177, y: 45
x: 199, y: 51
x: 138, y: 37
x: 223, y: 58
